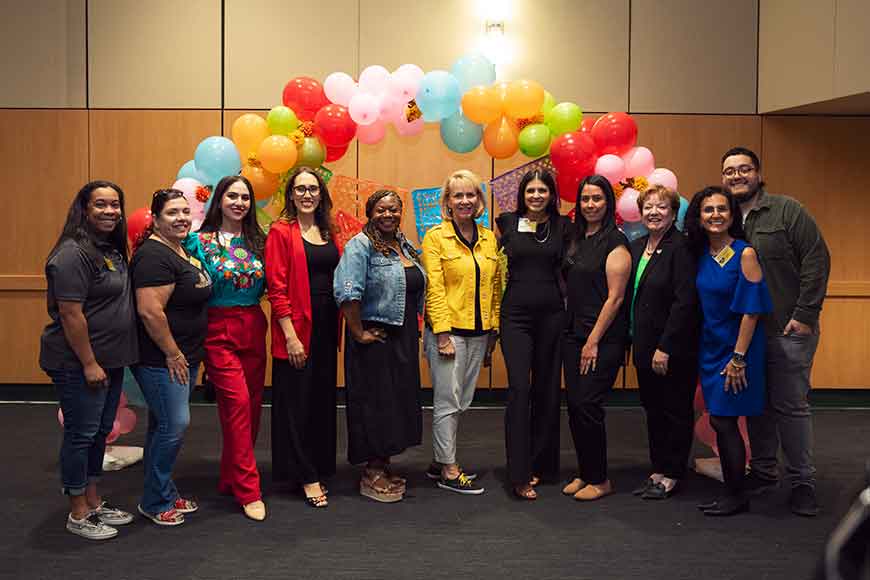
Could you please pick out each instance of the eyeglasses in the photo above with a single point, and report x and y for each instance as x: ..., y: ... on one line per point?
x: 312, y: 190
x: 743, y: 171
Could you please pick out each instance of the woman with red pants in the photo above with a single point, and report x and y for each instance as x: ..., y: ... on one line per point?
x: 230, y: 245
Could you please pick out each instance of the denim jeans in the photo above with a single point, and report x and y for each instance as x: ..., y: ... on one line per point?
x: 168, y: 418
x: 88, y: 415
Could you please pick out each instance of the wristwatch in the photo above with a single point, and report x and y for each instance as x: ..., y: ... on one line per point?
x: 739, y: 359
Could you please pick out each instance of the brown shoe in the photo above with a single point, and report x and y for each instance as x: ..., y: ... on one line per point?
x: 576, y: 485
x: 256, y: 510
x: 594, y: 491
x: 379, y: 488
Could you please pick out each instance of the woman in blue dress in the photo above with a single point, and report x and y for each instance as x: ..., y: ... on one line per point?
x: 733, y: 295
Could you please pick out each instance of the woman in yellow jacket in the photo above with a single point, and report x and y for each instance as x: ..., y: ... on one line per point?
x: 462, y: 314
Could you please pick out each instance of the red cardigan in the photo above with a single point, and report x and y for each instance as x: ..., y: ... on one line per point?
x: 287, y: 282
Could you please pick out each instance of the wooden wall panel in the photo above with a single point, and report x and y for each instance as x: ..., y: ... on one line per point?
x: 142, y: 151
x: 841, y: 360
x: 851, y: 73
x: 24, y: 316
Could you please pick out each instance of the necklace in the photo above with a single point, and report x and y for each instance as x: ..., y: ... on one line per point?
x: 546, y: 228
x: 650, y: 251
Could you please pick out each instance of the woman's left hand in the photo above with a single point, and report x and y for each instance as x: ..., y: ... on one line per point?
x: 588, y: 357
x: 735, y: 377
x: 660, y: 362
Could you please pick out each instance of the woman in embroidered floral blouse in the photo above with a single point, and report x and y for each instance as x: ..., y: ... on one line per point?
x: 230, y: 245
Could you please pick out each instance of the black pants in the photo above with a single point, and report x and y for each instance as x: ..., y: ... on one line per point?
x: 668, y: 402
x: 586, y: 395
x: 732, y: 453
x: 530, y: 344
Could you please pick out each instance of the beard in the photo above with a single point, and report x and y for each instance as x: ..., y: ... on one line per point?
x: 748, y: 195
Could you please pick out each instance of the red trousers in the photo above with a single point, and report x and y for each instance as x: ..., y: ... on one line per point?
x: 235, y: 363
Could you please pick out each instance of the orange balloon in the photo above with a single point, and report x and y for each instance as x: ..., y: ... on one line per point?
x: 277, y: 153
x: 481, y: 105
x: 265, y: 183
x: 523, y: 99
x: 248, y: 132
x: 501, y: 90
x: 500, y: 138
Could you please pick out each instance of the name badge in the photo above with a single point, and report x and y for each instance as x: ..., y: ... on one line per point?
x: 196, y: 263
x: 527, y: 226
x: 723, y: 256
x: 109, y: 263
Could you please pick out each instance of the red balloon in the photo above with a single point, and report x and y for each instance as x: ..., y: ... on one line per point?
x: 568, y: 185
x: 573, y: 154
x: 586, y: 125
x: 334, y: 126
x: 305, y: 96
x: 335, y: 153
x: 137, y: 222
x: 614, y: 133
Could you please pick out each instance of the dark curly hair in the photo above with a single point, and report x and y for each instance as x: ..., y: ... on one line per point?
x: 698, y: 240
x: 372, y: 232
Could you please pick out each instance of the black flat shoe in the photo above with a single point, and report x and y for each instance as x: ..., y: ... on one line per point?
x: 709, y: 504
x: 728, y: 506
x: 642, y: 488
x: 658, y: 491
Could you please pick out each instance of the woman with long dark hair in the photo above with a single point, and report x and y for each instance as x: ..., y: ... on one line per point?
x: 172, y: 292
x: 733, y: 296
x: 532, y: 320
x: 87, y: 344
x: 301, y: 255
x: 596, y: 269
x: 230, y: 246
x: 380, y: 287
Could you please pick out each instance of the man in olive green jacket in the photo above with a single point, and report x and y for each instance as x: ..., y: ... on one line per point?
x: 796, y: 264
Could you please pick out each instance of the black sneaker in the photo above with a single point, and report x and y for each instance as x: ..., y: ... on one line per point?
x: 755, y: 484
x: 803, y: 501
x: 461, y: 484
x: 434, y: 472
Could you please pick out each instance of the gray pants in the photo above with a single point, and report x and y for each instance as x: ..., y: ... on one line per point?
x: 453, y: 383
x: 786, y: 419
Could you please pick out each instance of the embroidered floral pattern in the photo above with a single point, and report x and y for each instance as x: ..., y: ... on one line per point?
x: 235, y: 263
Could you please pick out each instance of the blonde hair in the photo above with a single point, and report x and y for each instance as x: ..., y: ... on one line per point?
x: 664, y: 193
x: 468, y: 177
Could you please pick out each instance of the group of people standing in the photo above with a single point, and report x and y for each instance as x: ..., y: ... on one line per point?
x: 557, y: 293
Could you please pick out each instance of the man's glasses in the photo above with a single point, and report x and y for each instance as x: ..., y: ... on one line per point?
x: 743, y: 171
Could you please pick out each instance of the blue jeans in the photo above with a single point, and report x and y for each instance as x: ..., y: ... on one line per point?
x: 88, y: 416
x: 168, y: 418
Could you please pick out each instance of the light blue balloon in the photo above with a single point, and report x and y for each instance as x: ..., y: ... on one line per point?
x: 460, y: 134
x: 438, y: 96
x: 189, y: 170
x: 217, y: 157
x: 634, y: 230
x: 472, y: 70
x: 681, y: 213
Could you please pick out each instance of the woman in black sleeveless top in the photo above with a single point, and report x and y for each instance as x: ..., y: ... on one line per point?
x: 532, y: 319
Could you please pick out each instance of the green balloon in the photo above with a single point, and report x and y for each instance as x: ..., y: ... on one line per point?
x: 282, y: 121
x: 312, y: 153
x: 534, y: 140
x: 563, y: 118
x: 549, y: 103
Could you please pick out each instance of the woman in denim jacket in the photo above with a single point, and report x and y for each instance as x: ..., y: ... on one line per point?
x: 380, y: 286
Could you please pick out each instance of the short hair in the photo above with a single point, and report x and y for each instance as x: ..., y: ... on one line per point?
x: 665, y: 193
x: 743, y: 151
x: 470, y: 178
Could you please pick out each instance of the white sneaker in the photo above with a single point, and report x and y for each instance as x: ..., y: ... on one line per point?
x: 111, y: 515
x: 90, y: 527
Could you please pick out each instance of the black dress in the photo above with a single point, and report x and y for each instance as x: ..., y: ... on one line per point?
x: 383, y: 385
x: 303, y: 404
x: 532, y: 321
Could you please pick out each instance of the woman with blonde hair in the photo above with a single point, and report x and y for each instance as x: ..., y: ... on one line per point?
x: 462, y: 315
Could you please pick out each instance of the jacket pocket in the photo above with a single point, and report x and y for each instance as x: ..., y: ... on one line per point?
x: 771, y: 243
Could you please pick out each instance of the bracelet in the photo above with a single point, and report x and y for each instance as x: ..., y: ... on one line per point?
x: 738, y: 364
x: 179, y: 356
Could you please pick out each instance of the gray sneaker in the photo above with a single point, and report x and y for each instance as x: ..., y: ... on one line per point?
x: 111, y: 515
x: 90, y: 527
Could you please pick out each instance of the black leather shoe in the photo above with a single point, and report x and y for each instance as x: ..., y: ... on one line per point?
x: 659, y: 491
x: 728, y: 506
x: 641, y: 489
x: 709, y: 504
x: 803, y: 501
x: 755, y: 484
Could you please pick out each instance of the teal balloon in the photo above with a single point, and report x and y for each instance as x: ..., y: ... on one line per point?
x: 681, y: 213
x: 438, y: 96
x: 189, y: 170
x: 534, y: 140
x: 459, y: 134
x: 217, y: 157
x: 472, y: 70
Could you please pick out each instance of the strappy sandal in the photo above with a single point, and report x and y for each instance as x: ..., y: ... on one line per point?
x: 535, y: 481
x: 317, y: 501
x: 525, y: 492
x: 394, y: 479
x: 385, y: 493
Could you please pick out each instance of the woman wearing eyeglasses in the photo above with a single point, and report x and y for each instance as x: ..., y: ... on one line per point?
x: 301, y: 256
x: 230, y: 246
x: 172, y: 292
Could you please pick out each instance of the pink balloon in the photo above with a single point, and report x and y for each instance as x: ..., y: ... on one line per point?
x: 126, y: 419
x: 374, y: 80
x: 662, y: 176
x: 639, y: 162
x: 371, y: 134
x: 406, y: 129
x: 626, y: 205
x: 116, y: 432
x: 188, y: 186
x: 364, y: 109
x: 340, y: 88
x: 405, y: 81
x: 390, y: 107
x: 612, y: 167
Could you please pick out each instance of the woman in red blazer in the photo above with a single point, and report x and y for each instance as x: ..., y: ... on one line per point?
x: 301, y: 255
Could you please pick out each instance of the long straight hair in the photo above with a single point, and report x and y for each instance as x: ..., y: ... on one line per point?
x: 78, y: 228
x: 577, y: 232
x: 252, y: 233
x: 547, y: 178
x: 323, y: 211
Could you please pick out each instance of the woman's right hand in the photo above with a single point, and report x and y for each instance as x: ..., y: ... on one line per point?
x: 370, y: 335
x: 445, y: 345
x: 95, y: 376
x: 735, y: 377
x: 296, y: 352
x: 178, y: 368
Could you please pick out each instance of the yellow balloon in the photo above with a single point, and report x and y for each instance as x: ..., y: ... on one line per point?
x: 277, y: 153
x: 500, y: 138
x: 248, y: 132
x: 523, y: 99
x: 480, y: 105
